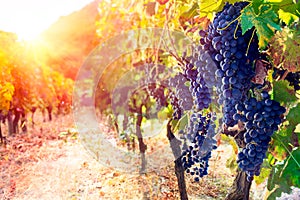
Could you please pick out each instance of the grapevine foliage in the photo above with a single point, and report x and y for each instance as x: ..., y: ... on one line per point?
x: 245, y: 65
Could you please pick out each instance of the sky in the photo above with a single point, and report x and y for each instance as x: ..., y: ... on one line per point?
x: 28, y: 18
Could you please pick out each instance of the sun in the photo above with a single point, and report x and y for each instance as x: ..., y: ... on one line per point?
x: 27, y: 36
x: 30, y: 18
x: 28, y: 33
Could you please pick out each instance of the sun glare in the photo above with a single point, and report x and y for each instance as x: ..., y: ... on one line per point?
x: 31, y: 17
x: 27, y: 35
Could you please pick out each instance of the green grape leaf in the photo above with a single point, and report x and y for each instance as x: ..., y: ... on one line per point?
x: 287, y: 6
x: 265, y: 23
x: 283, y: 93
x: 291, y: 168
x: 288, y: 10
x: 284, y: 175
x: 256, y: 4
x: 287, y: 17
x: 294, y: 115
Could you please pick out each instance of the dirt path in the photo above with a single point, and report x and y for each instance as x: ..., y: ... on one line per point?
x: 45, y: 166
x: 71, y: 173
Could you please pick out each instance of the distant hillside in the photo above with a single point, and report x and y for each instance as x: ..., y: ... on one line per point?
x: 70, y: 39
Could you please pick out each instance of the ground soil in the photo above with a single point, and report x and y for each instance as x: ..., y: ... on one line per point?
x: 50, y: 162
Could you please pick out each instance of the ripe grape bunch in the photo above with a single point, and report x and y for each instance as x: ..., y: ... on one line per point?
x: 261, y: 120
x: 181, y: 98
x: 205, y: 66
x: 198, y: 87
x: 233, y: 54
x: 201, y: 142
x: 157, y: 92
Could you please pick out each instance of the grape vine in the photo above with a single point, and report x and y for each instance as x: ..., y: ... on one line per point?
x: 236, y: 80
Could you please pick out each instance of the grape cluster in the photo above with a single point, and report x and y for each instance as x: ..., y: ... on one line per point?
x: 181, y: 98
x: 229, y: 50
x: 261, y: 120
x: 198, y: 87
x: 199, y: 139
x: 201, y: 142
x: 205, y: 66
